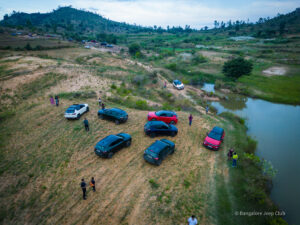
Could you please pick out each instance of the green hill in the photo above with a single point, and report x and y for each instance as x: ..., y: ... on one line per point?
x: 68, y: 22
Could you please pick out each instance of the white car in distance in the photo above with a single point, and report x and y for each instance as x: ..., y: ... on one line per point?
x: 75, y: 111
x: 178, y: 85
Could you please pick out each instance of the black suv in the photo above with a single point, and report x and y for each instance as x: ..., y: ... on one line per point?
x: 111, y: 144
x: 114, y: 114
x: 154, y: 128
x: 158, y: 151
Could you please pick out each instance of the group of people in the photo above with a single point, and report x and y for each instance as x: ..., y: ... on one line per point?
x: 83, y: 186
x: 101, y: 104
x: 232, y: 155
x: 56, y: 99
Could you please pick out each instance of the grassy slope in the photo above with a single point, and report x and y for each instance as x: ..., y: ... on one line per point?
x: 44, y: 156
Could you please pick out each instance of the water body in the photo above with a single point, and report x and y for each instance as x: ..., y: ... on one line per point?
x: 276, y: 127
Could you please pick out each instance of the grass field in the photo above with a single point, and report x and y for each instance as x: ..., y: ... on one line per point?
x: 43, y: 156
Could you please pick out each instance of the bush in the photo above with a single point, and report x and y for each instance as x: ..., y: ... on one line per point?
x: 141, y: 104
x: 78, y: 94
x: 237, y: 67
x: 134, y: 48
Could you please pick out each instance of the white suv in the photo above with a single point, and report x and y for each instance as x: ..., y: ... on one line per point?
x: 178, y: 85
x: 75, y: 111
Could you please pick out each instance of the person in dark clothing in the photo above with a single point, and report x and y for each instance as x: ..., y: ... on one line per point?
x: 83, y: 187
x: 206, y: 109
x: 230, y: 153
x: 103, y: 106
x: 93, y: 184
x: 86, y: 124
x: 190, y: 119
x: 99, y: 101
x: 56, y: 100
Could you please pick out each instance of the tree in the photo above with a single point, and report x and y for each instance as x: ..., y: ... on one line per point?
x: 237, y: 67
x: 134, y: 48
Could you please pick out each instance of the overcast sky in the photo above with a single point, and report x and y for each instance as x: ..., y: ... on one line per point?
x: 196, y: 13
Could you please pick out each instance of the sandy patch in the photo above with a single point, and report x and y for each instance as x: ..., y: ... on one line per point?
x: 275, y: 71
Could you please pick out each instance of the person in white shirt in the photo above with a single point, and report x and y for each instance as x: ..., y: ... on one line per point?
x: 192, y: 220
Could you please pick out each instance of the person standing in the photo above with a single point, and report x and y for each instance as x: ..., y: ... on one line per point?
x: 230, y: 153
x: 56, y: 100
x: 206, y: 109
x: 103, y: 106
x: 192, y: 220
x: 234, y: 159
x: 92, y: 184
x: 99, y: 101
x: 165, y: 84
x: 52, y: 100
x: 83, y: 187
x: 86, y: 124
x: 190, y: 119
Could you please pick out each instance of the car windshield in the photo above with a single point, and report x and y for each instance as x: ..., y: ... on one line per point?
x: 177, y: 82
x: 150, y: 152
x: 215, y: 135
x: 70, y: 110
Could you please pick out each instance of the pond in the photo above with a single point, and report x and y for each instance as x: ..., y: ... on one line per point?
x: 276, y: 127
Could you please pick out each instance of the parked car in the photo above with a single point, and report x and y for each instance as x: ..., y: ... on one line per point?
x: 214, y: 138
x: 155, y: 128
x: 158, y: 151
x: 165, y: 116
x: 114, y: 114
x: 109, y: 145
x: 75, y: 111
x: 178, y: 85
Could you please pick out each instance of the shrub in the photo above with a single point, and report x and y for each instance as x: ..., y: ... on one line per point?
x: 141, y: 104
x: 134, y: 48
x: 237, y: 67
x: 78, y: 94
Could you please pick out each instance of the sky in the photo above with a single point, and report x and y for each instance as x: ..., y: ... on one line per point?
x: 196, y: 13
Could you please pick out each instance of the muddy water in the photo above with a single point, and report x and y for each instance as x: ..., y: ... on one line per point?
x: 276, y: 127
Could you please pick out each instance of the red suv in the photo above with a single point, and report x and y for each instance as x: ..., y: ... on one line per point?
x: 214, y: 138
x: 165, y: 116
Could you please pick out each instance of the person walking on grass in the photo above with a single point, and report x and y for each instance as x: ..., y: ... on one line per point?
x: 86, y: 124
x: 230, y: 153
x: 99, y: 101
x: 83, y: 187
x: 103, y: 106
x: 192, y: 220
x: 206, y: 109
x: 92, y: 184
x: 234, y: 159
x: 52, y: 100
x: 56, y: 100
x: 190, y: 119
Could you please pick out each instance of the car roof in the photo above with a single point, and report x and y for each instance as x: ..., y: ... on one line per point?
x: 166, y: 111
x: 116, y: 110
x: 108, y: 140
x: 157, y: 146
x: 218, y: 130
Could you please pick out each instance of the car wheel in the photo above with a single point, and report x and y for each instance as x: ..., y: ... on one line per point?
x: 158, y: 162
x: 87, y: 109
x: 117, y: 122
x: 101, y: 116
x: 153, y: 119
x: 128, y: 143
x: 152, y: 135
x: 173, y: 134
x: 172, y: 152
x: 78, y: 116
x: 110, y: 154
x: 172, y: 122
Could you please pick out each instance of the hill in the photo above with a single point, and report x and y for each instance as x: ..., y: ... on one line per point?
x: 264, y: 28
x: 68, y: 22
